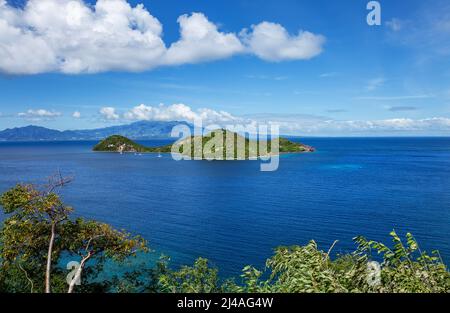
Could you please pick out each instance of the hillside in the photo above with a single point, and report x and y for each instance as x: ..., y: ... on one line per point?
x: 139, y: 130
x: 29, y: 133
x: 117, y: 143
x: 251, y: 146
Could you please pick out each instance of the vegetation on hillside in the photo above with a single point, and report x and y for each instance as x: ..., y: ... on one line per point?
x: 218, y: 144
x: 39, y: 236
x: 225, y: 145
x: 118, y: 143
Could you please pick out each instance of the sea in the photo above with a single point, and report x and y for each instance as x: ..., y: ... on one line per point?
x: 235, y: 215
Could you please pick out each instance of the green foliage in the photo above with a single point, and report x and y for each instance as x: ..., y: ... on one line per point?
x: 199, y: 278
x: 32, y: 216
x: 118, y: 143
x: 406, y: 268
x: 306, y: 269
x: 224, y: 144
x: 187, y: 146
x: 83, y: 237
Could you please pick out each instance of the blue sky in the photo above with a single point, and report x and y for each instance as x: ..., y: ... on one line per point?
x: 343, y: 78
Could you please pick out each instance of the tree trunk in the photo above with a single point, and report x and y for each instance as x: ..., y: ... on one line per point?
x: 49, y: 259
x: 77, y: 275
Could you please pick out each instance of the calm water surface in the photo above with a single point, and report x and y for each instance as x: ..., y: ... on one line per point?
x: 235, y: 215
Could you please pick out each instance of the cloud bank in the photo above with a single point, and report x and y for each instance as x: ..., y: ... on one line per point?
x: 178, y: 112
x: 40, y: 114
x: 69, y: 36
x: 290, y: 124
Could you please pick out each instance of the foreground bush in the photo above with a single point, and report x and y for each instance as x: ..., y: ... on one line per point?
x: 404, y: 268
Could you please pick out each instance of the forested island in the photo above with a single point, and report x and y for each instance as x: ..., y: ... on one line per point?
x: 121, y: 144
x: 227, y: 146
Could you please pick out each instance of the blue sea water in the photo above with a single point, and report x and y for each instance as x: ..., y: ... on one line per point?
x: 235, y: 215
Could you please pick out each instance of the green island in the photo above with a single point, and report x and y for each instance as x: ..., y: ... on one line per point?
x: 221, y: 143
x: 121, y: 144
x: 39, y: 234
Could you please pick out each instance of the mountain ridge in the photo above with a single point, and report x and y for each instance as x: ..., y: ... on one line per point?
x: 140, y: 130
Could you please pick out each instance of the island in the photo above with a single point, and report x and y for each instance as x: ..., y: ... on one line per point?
x: 121, y: 144
x: 208, y: 147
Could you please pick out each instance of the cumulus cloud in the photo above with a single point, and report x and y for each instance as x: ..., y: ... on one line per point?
x: 177, y: 112
x: 76, y: 114
x: 201, y: 41
x: 70, y: 36
x: 39, y: 114
x: 272, y: 42
x: 289, y: 124
x: 109, y: 113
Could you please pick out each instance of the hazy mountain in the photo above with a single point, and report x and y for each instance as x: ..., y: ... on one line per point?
x: 138, y: 130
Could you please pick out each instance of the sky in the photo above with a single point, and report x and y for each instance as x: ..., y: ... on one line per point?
x: 314, y: 67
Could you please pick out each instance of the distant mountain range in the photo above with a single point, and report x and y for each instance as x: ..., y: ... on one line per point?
x: 138, y: 130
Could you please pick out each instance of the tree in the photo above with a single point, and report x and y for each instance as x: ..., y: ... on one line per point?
x: 199, y: 278
x: 32, y: 214
x: 38, y: 231
x: 94, y: 240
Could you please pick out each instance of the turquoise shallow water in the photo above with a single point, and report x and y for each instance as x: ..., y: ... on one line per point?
x: 235, y: 215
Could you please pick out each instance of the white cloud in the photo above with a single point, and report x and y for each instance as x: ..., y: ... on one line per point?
x: 394, y: 125
x: 76, y: 114
x: 39, y: 114
x: 201, y: 41
x: 272, y: 42
x: 301, y: 124
x: 109, y: 113
x: 71, y: 36
x: 398, y: 125
x: 291, y: 124
x: 178, y: 112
